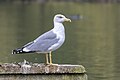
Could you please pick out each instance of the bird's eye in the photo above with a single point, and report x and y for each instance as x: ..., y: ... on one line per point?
x: 60, y: 17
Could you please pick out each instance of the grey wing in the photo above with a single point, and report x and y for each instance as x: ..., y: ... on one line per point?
x: 43, y: 42
x: 47, y: 35
x: 43, y: 36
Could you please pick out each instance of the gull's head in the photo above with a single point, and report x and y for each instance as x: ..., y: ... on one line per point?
x: 61, y: 18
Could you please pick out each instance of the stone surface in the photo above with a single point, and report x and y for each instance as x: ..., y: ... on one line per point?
x: 29, y: 68
x: 34, y: 71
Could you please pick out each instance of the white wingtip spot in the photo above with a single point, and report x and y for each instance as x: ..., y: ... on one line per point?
x: 26, y: 50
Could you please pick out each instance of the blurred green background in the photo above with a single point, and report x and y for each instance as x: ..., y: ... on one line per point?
x: 92, y: 38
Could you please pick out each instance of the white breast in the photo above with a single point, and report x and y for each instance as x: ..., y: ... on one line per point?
x: 60, y: 32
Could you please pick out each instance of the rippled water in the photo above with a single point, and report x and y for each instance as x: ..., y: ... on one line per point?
x: 92, y: 38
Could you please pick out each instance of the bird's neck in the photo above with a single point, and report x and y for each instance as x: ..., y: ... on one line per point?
x: 58, y: 27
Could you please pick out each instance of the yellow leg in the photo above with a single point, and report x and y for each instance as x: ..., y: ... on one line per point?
x: 46, y: 56
x: 50, y: 57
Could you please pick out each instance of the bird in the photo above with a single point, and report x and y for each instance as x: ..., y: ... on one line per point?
x: 48, y: 41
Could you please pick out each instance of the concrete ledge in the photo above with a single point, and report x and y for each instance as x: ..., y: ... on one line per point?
x: 34, y: 71
x: 20, y: 68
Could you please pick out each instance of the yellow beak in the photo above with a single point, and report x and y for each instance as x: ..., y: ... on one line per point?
x: 66, y: 19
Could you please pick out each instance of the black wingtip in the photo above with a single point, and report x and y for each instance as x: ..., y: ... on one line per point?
x: 17, y: 51
x: 14, y: 52
x: 20, y: 51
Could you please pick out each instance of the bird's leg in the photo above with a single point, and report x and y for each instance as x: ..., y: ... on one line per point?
x: 46, y: 56
x: 50, y: 57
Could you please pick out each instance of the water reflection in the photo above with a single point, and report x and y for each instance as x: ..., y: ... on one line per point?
x: 92, y: 41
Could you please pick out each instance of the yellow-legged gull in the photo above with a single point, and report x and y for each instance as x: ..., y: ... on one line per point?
x: 47, y: 42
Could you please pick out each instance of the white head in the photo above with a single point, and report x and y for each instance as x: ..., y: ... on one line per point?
x: 60, y: 18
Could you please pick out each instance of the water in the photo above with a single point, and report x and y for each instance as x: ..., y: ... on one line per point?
x: 92, y: 38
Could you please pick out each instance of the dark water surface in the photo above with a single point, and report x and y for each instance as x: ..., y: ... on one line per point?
x: 92, y: 38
